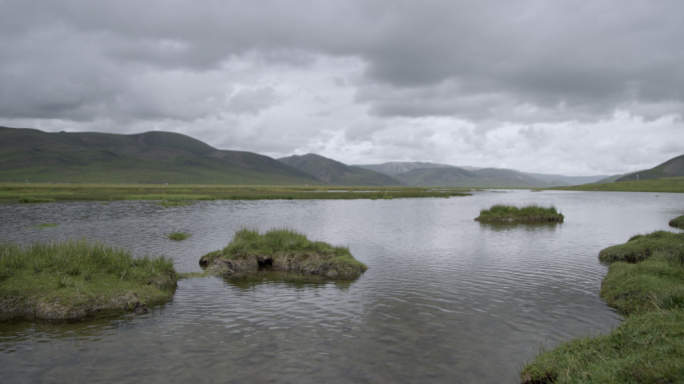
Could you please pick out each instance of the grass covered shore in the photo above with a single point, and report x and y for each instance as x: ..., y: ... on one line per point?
x: 665, y: 185
x: 77, y: 278
x: 509, y: 213
x: 284, y: 250
x: 645, y: 282
x: 176, y: 194
x: 677, y: 222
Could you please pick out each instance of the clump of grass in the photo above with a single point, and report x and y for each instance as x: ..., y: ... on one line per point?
x: 30, y: 199
x: 178, y: 236
x: 75, y: 278
x: 173, y: 203
x: 645, y: 282
x: 533, y: 212
x: 283, y: 249
x: 677, y: 222
x: 45, y: 225
x: 644, y: 349
x: 641, y: 247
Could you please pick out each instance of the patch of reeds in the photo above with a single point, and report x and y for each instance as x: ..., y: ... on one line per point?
x: 179, y: 236
x: 45, y: 225
x: 285, y: 249
x: 532, y: 212
x: 70, y: 279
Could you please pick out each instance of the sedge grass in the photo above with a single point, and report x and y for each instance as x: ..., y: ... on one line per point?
x: 284, y: 249
x: 645, y: 282
x: 532, y: 212
x: 75, y: 278
x: 677, y: 222
x: 179, y: 236
x: 45, y: 225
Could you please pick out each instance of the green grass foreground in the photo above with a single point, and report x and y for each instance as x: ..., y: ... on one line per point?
x: 645, y: 282
x: 531, y: 212
x: 667, y: 184
x: 677, y: 222
x: 76, y: 278
x: 178, y: 194
x: 284, y: 250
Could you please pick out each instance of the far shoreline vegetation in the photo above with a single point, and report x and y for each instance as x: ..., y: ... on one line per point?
x: 76, y: 279
x: 645, y: 283
x: 527, y: 213
x: 281, y: 249
x: 180, y: 195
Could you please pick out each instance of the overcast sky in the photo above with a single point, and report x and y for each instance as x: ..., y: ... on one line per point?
x: 571, y: 87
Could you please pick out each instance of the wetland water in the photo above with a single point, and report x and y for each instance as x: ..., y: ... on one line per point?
x: 446, y: 299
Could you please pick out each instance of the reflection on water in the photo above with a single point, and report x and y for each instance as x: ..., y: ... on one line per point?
x: 446, y: 298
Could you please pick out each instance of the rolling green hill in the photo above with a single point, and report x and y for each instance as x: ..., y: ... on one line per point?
x: 150, y: 157
x: 480, y: 178
x: 671, y: 168
x: 334, y: 172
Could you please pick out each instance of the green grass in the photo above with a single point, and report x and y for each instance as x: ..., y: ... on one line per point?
x: 641, y: 247
x: 181, y: 194
x: 283, y: 249
x: 531, y: 212
x: 45, y: 225
x: 76, y: 278
x: 645, y: 282
x: 677, y: 222
x: 179, y: 236
x: 29, y: 199
x: 667, y: 184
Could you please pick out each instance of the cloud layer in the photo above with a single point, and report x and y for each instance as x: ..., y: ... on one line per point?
x: 566, y: 87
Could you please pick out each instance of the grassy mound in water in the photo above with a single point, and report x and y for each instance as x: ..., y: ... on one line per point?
x: 645, y: 282
x: 677, y: 222
x: 282, y: 249
x: 642, y: 247
x: 511, y: 213
x: 76, y: 278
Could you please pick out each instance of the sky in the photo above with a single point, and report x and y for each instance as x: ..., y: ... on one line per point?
x: 568, y: 87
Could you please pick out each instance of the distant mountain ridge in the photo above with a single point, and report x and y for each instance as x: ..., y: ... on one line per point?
x: 334, y: 172
x: 145, y: 157
x: 396, y: 167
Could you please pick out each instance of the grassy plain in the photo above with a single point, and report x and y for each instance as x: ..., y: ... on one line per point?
x: 645, y: 282
x: 285, y: 250
x: 76, y: 278
x: 664, y: 185
x: 533, y: 212
x: 180, y: 193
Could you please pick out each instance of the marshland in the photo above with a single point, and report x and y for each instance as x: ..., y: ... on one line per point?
x: 445, y: 298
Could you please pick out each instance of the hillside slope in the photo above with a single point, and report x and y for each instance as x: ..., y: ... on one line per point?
x: 480, y: 178
x: 671, y: 168
x: 334, y: 172
x: 395, y: 168
x: 150, y: 157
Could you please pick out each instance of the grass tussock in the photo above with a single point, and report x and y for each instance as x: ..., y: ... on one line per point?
x: 645, y: 282
x: 45, y: 225
x: 533, y: 212
x: 72, y: 279
x: 179, y: 236
x: 642, y: 247
x: 31, y: 199
x: 282, y: 249
x: 677, y: 222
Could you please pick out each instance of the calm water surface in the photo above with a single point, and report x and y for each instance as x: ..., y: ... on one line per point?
x: 446, y: 299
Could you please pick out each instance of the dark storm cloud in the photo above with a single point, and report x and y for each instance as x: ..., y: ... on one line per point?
x: 527, y: 60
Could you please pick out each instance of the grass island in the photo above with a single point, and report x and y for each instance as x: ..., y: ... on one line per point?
x: 528, y: 213
x: 677, y: 222
x: 282, y: 250
x: 75, y: 279
x: 645, y: 283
